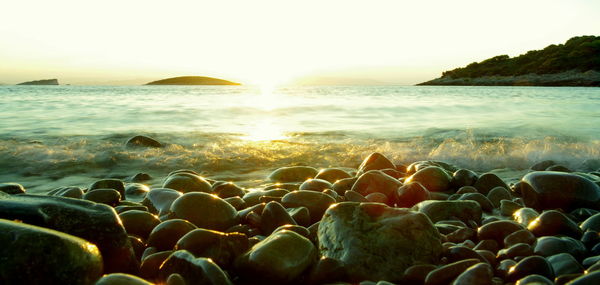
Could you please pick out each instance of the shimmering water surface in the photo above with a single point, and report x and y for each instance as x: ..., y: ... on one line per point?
x: 58, y: 135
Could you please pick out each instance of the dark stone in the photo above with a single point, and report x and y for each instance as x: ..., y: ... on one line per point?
x: 508, y: 207
x: 109, y: 184
x: 542, y: 165
x: 139, y: 177
x: 139, y: 223
x: 456, y: 253
x: 434, y: 178
x: 375, y: 161
x: 69, y: 192
x: 193, y: 270
x: 463, y: 177
x: 525, y: 216
x: 142, y: 141
x: 253, y: 197
x: 109, y: 197
x: 445, y: 274
x: 315, y: 185
x: 377, y: 242
x: 343, y: 185
x: 166, y: 234
x: 551, y: 190
x: 35, y: 255
x: 293, y: 174
x: 416, y: 274
x: 326, y: 270
x: 534, y: 279
x: 12, y: 188
x: 550, y: 245
x: 151, y: 264
x: 410, y: 194
x: 159, y: 200
x: 446, y: 210
x: 590, y: 238
x: 553, y: 222
x: 587, y: 279
x: 295, y: 228
x: 521, y: 236
x: 205, y: 211
x: 582, y: 214
x: 531, y: 265
x: 121, y: 279
x: 273, y: 216
x: 498, y: 194
x: 280, y: 258
x: 564, y: 263
x: 480, y: 274
x: 316, y: 202
x: 483, y: 201
x: 487, y: 182
x: 353, y: 196
x: 519, y: 249
x: 591, y: 224
x: 332, y: 175
x: 498, y: 230
x: 187, y: 182
x: 97, y: 223
x: 376, y: 181
x: 301, y: 215
x: 558, y: 168
x: 222, y: 248
x: 228, y: 189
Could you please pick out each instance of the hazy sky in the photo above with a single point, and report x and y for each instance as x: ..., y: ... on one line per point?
x: 403, y: 42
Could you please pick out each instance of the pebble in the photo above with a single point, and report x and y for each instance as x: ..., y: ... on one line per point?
x: 193, y: 270
x: 315, y: 185
x: 375, y: 161
x: 377, y: 242
x: 531, y: 265
x: 121, y: 279
x: 326, y: 270
x: 109, y: 197
x: 564, y: 263
x: 411, y: 194
x: 433, y: 178
x: 553, y: 222
x: 353, y: 196
x: 151, y: 264
x: 498, y: 194
x: 498, y: 230
x: 12, y: 188
x: 445, y: 274
x: 139, y: 223
x: 227, y: 190
x: 480, y: 274
x: 343, y: 185
x: 136, y: 191
x: 301, y: 215
x: 205, y: 211
x: 520, y: 236
x: 551, y: 190
x: 465, y: 210
x: 279, y: 258
x: 187, y: 182
x: 274, y: 215
x: 332, y: 175
x: 316, y: 202
x: 293, y: 174
x: 534, y: 279
x: 166, y: 234
x: 488, y: 181
x: 551, y: 245
x: 142, y: 141
x: 36, y: 255
x: 375, y: 181
x: 159, y: 200
x: 587, y: 279
x: 508, y: 207
x: 463, y: 177
x: 221, y: 247
x: 592, y: 223
x: 109, y: 184
x: 68, y: 191
x: 416, y: 274
x: 483, y: 201
x: 525, y: 216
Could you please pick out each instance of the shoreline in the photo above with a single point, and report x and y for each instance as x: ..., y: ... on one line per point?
x: 564, y: 79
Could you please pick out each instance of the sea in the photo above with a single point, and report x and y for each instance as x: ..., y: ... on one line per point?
x: 53, y: 136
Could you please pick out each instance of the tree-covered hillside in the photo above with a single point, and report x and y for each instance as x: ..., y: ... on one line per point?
x: 578, y: 53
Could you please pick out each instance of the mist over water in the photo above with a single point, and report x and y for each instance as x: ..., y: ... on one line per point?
x: 57, y: 135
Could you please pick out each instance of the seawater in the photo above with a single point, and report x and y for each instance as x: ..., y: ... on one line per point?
x: 71, y: 135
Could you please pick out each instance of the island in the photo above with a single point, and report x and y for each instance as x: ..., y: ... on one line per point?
x: 574, y: 63
x: 192, y: 80
x: 41, y: 82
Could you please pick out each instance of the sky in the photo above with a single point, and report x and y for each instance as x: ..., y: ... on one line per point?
x: 273, y: 42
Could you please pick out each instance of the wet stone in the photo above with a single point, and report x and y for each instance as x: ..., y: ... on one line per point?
x: 142, y: 141
x: 376, y: 242
x: 68, y: 192
x: 488, y: 181
x: 550, y: 245
x: 221, y: 247
x: 521, y: 236
x: 205, y: 211
x: 12, y: 188
x: 498, y: 194
x: 253, y: 197
x: 151, y: 264
x: 480, y: 274
x: 109, y: 197
x: 227, y: 190
x: 587, y: 279
x: 332, y: 175
x: 187, y: 182
x: 416, y: 274
x: 35, y: 255
x: 525, y: 216
x: 376, y: 181
x: 582, y: 214
x: 534, y: 279
x: 279, y: 258
x: 139, y: 223
x: 411, y: 194
x: 193, y: 270
x: 301, y: 215
x: 564, y: 263
x: 482, y: 200
x: 592, y: 223
x: 273, y: 216
x: 139, y: 177
x: 553, y: 222
x: 498, y: 230
x: 531, y: 265
x: 121, y: 279
x: 315, y: 202
x: 375, y: 161
x: 109, y: 184
x: 463, y: 177
x: 353, y: 196
x: 293, y: 174
x: 448, y: 272
x: 551, y: 190
x: 433, y: 178
x: 326, y: 270
x: 315, y: 185
x: 445, y: 210
x: 136, y: 191
x: 508, y: 207
x: 466, y: 189
x: 159, y: 200
x: 519, y: 249
x: 166, y: 234
x: 97, y: 223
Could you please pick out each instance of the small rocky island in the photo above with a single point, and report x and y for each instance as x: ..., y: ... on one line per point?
x: 575, y: 63
x: 41, y: 82
x: 192, y: 80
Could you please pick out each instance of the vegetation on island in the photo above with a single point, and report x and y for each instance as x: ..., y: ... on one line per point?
x: 192, y: 80
x: 574, y: 63
x: 41, y: 82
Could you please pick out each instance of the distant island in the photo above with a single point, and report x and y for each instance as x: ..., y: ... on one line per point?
x: 192, y: 80
x: 41, y: 82
x: 575, y: 63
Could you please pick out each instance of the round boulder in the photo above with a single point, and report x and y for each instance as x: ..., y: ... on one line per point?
x: 205, y: 211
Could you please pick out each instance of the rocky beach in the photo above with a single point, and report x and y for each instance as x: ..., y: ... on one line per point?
x: 427, y: 222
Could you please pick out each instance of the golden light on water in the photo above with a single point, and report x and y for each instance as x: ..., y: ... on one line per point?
x: 267, y: 128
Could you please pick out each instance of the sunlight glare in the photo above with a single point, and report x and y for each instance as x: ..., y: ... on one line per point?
x: 265, y: 130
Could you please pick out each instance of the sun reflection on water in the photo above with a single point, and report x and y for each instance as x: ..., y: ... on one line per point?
x: 266, y: 128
